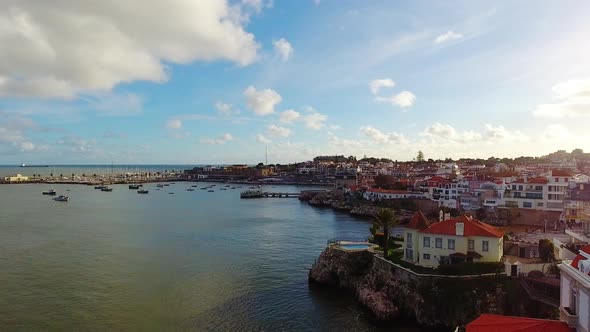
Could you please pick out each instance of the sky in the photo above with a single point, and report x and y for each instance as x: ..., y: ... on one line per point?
x: 212, y: 82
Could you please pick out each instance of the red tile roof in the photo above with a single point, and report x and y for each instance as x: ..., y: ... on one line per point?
x: 418, y: 221
x: 580, y: 257
x: 473, y: 227
x: 560, y: 172
x: 539, y: 180
x: 497, y: 323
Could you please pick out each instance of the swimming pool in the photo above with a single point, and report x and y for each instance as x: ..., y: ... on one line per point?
x: 356, y: 246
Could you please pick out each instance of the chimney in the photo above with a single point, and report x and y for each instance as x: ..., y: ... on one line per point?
x: 459, y: 227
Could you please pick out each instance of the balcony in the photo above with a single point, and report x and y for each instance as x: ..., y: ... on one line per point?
x: 570, y: 319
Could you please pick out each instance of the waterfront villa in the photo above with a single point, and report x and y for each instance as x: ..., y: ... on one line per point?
x: 456, y: 240
x: 574, y: 302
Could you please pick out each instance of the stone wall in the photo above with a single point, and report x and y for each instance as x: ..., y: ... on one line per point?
x: 390, y: 292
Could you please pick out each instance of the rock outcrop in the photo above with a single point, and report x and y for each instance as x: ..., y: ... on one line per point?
x: 389, y: 292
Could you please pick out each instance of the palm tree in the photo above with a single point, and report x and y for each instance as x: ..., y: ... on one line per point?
x: 385, y: 219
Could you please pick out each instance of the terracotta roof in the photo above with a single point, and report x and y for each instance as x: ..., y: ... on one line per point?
x: 560, y: 172
x: 418, y: 221
x: 496, y: 323
x: 539, y: 180
x: 473, y: 227
x: 580, y: 257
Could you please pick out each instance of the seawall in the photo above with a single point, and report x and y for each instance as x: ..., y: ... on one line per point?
x: 391, y: 292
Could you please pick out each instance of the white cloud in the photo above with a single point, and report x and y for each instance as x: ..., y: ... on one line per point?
x: 276, y: 131
x: 283, y: 49
x: 557, y: 132
x: 315, y: 121
x: 257, y: 5
x: 403, y: 99
x: 316, y: 2
x: 289, y: 116
x: 573, y: 101
x: 63, y: 48
x: 262, y: 102
x: 377, y: 136
x: 491, y: 134
x: 225, y: 109
x: 174, y: 124
x: 377, y: 84
x: 448, y: 36
x: 261, y: 139
x: 219, y: 140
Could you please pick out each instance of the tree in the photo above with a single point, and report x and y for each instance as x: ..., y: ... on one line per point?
x: 546, y: 250
x: 385, y: 219
x: 420, y: 157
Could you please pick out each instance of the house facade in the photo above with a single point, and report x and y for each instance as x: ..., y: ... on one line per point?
x: 457, y: 240
x: 574, y: 302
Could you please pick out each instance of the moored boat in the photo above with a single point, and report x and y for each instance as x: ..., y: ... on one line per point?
x: 61, y: 198
x: 134, y: 186
x: 99, y: 187
x: 142, y: 191
x: 50, y: 192
x: 107, y: 189
x: 190, y: 189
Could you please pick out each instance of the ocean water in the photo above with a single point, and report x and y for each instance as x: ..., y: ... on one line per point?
x: 67, y: 170
x: 192, y: 261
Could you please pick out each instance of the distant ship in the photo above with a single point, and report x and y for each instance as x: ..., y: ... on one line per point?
x: 25, y: 165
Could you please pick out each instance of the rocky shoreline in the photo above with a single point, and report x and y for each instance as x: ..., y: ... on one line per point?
x: 337, y: 201
x: 392, y: 293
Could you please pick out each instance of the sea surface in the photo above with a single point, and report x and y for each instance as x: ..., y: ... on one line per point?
x: 66, y: 170
x: 189, y: 261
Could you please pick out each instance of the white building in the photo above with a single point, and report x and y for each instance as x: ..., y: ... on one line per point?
x: 16, y: 178
x: 545, y: 193
x: 574, y: 302
x: 457, y: 240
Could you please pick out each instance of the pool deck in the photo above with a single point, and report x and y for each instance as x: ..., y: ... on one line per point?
x: 339, y: 246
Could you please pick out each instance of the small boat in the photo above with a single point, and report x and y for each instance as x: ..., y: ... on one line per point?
x: 50, y: 192
x: 166, y: 184
x: 107, y: 189
x: 99, y: 187
x: 222, y: 188
x: 171, y: 193
x: 134, y: 186
x: 194, y: 186
x: 143, y: 191
x: 211, y: 190
x: 190, y: 189
x: 233, y: 187
x: 204, y: 188
x: 61, y: 198
x: 159, y: 185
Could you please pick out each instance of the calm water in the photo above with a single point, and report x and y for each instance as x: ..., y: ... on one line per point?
x: 187, y: 261
x: 67, y: 170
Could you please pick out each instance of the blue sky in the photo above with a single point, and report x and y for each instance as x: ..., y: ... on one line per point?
x: 217, y: 82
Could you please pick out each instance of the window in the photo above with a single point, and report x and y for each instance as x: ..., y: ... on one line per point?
x: 451, y: 244
x: 471, y: 244
x: 409, y: 237
x: 539, y: 188
x: 426, y: 242
x: 438, y: 243
x: 519, y: 187
x: 426, y: 256
x: 527, y: 204
x: 409, y: 254
x: 540, y: 204
x: 485, y: 246
x: 513, y: 187
x: 556, y: 179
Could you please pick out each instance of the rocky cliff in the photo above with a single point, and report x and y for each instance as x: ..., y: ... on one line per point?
x: 390, y: 292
